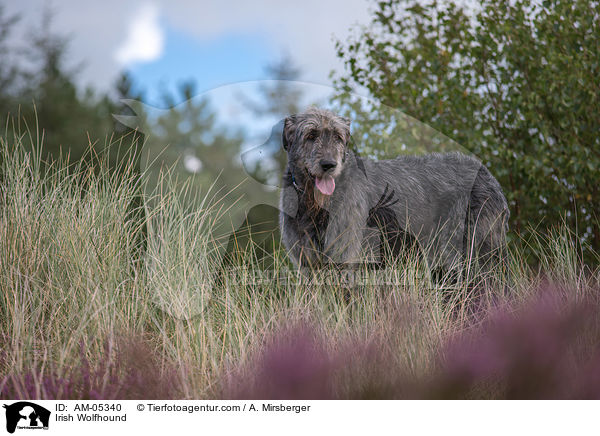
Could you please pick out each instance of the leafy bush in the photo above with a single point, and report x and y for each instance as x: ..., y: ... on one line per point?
x: 514, y: 83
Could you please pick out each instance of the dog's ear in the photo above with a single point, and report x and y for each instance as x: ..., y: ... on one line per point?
x: 350, y: 147
x: 289, y: 130
x: 346, y: 123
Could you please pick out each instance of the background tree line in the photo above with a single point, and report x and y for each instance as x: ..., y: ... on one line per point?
x: 39, y: 88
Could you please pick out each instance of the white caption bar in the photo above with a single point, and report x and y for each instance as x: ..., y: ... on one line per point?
x: 154, y: 417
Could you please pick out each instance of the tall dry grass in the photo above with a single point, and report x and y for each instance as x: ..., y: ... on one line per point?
x: 91, y: 286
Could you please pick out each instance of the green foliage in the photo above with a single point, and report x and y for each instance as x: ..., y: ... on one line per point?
x: 38, y: 89
x: 514, y: 83
x: 278, y: 98
x: 189, y: 132
x: 281, y: 96
x: 8, y: 70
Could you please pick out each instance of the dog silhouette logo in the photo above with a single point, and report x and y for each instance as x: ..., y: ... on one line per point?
x: 26, y: 415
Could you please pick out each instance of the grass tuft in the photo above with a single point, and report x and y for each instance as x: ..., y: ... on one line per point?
x: 85, y: 266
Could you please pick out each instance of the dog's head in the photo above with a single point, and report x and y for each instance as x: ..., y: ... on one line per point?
x: 316, y: 142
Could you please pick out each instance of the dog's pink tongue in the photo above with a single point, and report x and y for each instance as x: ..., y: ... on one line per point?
x: 326, y: 185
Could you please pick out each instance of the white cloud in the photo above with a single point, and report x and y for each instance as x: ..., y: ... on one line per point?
x: 305, y: 29
x: 145, y: 38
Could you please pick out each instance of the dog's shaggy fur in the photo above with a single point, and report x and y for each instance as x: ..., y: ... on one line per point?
x: 337, y: 208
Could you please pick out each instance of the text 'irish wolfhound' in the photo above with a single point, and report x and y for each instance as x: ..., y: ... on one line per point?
x: 338, y: 208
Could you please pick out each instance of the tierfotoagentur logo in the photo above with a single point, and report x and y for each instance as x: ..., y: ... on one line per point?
x: 26, y: 415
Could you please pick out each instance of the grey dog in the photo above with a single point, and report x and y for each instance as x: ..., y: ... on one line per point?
x: 338, y: 208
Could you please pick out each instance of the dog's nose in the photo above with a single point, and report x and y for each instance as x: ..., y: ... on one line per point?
x: 328, y: 164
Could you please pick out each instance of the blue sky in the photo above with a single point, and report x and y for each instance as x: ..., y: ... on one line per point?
x: 226, y: 59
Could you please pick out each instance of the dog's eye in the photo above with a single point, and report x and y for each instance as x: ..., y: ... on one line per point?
x: 312, y: 136
x: 339, y: 137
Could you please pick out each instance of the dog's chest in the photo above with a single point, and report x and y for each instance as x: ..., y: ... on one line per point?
x: 311, y: 224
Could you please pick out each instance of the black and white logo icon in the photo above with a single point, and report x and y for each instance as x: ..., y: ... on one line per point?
x: 26, y: 415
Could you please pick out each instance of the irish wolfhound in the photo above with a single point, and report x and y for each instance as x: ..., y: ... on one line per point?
x: 335, y: 206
